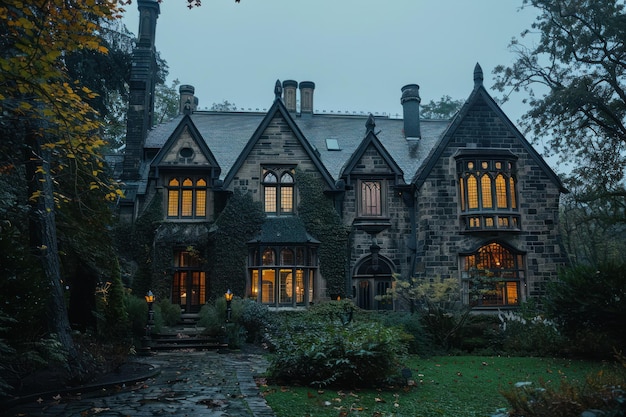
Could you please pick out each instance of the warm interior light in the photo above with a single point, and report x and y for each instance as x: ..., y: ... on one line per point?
x: 228, y: 295
x: 149, y: 297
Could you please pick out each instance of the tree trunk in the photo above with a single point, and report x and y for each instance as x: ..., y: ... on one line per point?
x: 43, y: 237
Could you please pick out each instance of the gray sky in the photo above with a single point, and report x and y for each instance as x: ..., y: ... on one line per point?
x: 359, y: 53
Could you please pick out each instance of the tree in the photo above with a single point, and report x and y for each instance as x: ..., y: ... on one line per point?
x: 50, y: 119
x: 574, y: 76
x: 224, y: 106
x: 445, y: 108
x: 166, y: 102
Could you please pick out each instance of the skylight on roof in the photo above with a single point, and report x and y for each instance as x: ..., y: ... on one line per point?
x: 332, y: 144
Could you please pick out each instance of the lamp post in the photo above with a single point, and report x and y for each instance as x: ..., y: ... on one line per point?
x: 147, y: 341
x: 229, y: 297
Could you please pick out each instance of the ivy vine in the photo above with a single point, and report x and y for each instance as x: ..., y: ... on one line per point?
x: 324, y: 223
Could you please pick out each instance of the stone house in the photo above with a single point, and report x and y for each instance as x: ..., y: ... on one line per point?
x: 467, y: 198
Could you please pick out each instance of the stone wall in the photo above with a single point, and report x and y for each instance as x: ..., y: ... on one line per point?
x: 439, y: 238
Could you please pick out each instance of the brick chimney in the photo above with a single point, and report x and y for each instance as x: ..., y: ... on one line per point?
x: 289, y: 94
x: 411, y: 111
x: 188, y: 102
x: 142, y: 83
x: 306, y: 97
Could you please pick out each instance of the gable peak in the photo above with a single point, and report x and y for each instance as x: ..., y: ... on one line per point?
x: 278, y: 90
x: 478, y: 75
x: 370, y: 124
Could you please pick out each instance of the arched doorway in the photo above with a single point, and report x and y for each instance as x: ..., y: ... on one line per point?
x: 372, y: 277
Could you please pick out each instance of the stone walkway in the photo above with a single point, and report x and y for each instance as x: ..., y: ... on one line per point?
x: 188, y: 383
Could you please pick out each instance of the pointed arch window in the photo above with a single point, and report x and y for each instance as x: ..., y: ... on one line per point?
x: 186, y: 198
x: 278, y: 190
x: 493, y: 276
x: 487, y: 190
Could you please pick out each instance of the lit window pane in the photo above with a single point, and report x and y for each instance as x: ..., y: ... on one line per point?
x: 172, y: 203
x: 187, y: 182
x: 286, y: 199
x: 512, y: 191
x: 485, y: 185
x: 462, y: 191
x: 201, y: 203
x: 267, y: 286
x: 270, y: 199
x: 472, y: 192
x: 186, y: 203
x: 501, y: 191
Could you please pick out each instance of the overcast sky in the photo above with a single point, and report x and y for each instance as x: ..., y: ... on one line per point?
x: 359, y: 53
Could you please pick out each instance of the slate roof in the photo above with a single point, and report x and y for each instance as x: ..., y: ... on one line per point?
x: 227, y: 133
x: 283, y: 229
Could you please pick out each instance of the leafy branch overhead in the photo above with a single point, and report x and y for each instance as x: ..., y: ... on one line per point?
x: 574, y: 75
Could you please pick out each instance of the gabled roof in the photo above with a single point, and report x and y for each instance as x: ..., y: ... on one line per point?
x: 480, y: 93
x: 279, y: 109
x: 228, y: 133
x: 185, y: 124
x: 371, y: 140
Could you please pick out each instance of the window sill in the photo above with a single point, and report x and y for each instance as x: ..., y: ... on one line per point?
x: 372, y: 225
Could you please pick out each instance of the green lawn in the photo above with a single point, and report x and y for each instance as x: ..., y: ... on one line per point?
x: 455, y: 386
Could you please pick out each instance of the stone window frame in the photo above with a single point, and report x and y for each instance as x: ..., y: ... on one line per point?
x: 487, y: 187
x: 279, y: 190
x: 187, y: 197
x: 362, y: 207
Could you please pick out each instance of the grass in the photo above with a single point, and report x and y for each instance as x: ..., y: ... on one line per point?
x: 459, y: 386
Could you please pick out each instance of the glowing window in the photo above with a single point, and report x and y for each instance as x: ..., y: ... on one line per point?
x: 278, y: 192
x: 186, y: 199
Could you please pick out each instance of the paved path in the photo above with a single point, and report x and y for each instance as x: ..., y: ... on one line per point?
x: 188, y: 384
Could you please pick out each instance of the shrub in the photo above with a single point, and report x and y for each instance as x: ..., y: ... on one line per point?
x: 255, y: 318
x: 137, y: 310
x: 213, y: 318
x: 418, y: 341
x: 588, y: 304
x: 602, y: 394
x: 168, y: 311
x: 320, y: 351
x: 529, y: 334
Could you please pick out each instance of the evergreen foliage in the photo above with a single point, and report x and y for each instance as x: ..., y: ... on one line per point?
x: 324, y: 223
x: 588, y: 304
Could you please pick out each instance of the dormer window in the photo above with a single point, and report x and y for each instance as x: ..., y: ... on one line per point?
x: 278, y: 191
x: 487, y: 190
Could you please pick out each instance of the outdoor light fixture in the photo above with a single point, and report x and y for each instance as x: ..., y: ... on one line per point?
x: 149, y: 298
x: 146, y: 342
x: 229, y: 297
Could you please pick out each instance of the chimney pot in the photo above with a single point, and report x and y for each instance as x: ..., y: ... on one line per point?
x: 306, y: 96
x: 188, y: 102
x: 289, y: 95
x: 410, y: 101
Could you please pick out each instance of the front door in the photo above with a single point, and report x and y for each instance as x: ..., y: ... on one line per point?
x: 189, y: 286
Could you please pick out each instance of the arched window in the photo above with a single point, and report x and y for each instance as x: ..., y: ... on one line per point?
x: 278, y: 191
x: 186, y: 198
x: 492, y: 276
